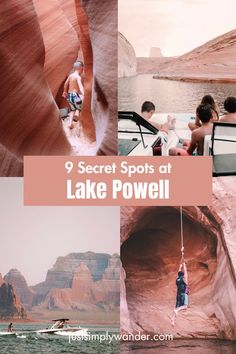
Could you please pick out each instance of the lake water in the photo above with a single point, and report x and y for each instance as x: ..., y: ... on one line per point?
x: 167, y: 95
x: 55, y: 344
x: 179, y: 346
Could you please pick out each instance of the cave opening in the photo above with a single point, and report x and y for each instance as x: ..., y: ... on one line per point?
x: 151, y: 257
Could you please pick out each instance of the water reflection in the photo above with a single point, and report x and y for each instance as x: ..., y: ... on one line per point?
x: 167, y: 95
x: 191, y: 346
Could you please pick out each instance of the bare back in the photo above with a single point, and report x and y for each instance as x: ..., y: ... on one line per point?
x: 198, y: 136
x: 229, y: 118
x: 74, y: 82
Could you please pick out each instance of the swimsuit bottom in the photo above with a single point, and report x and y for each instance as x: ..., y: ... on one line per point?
x: 74, y: 100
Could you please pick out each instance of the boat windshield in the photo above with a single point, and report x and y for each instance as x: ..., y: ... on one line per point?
x: 131, y: 122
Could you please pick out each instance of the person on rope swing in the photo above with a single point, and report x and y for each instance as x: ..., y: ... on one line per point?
x: 182, y: 290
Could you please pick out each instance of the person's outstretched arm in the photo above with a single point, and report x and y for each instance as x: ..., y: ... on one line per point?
x: 185, y: 273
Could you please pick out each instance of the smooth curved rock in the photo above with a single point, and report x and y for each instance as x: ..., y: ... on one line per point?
x: 60, y: 41
x: 127, y: 63
x: 102, y: 22
x: 30, y: 123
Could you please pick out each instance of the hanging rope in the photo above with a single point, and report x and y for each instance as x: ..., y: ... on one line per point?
x: 181, y: 232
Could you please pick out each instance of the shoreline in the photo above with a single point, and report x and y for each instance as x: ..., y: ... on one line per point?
x: 31, y: 320
x: 195, y: 79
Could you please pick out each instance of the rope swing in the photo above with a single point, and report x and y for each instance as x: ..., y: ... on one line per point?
x: 181, y: 233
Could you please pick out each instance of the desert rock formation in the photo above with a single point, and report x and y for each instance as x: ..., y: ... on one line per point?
x: 155, y: 52
x: 92, y: 282
x: 10, y: 304
x: 25, y: 294
x: 150, y: 256
x: 127, y: 64
x: 213, y: 61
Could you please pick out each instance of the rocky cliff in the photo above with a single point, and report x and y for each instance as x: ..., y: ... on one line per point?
x: 61, y: 274
x: 82, y: 281
x: 10, y: 304
x: 25, y: 294
x: 127, y: 64
x: 213, y: 61
x: 150, y: 256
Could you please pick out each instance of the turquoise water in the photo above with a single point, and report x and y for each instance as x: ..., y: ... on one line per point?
x: 179, y: 346
x: 37, y: 344
x: 168, y: 95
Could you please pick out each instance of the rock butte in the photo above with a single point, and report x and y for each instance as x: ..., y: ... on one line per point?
x: 150, y: 258
x: 39, y: 46
x: 10, y: 304
x: 89, y: 282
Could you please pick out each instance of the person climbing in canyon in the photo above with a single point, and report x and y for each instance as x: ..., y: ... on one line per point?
x: 182, y: 290
x: 74, y: 91
x: 207, y: 99
x: 230, y: 107
x: 148, y: 109
x: 196, y: 145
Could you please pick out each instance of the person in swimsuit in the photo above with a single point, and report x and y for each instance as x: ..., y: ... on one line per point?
x: 207, y: 99
x: 182, y: 291
x: 205, y: 114
x: 230, y: 107
x: 74, y: 91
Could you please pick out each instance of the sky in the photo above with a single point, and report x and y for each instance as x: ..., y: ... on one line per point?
x: 32, y: 238
x: 175, y: 26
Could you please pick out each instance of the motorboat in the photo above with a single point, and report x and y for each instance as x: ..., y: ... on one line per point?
x: 61, y: 327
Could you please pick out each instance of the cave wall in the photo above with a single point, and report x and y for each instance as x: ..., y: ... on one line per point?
x: 102, y: 25
x: 39, y: 43
x: 150, y: 257
x: 30, y: 123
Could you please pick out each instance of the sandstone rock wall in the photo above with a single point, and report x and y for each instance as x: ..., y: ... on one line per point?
x: 10, y: 304
x: 150, y: 255
x: 25, y: 294
x: 127, y: 64
x: 213, y: 61
x: 30, y: 121
x: 102, y: 24
x: 92, y: 286
x: 38, y: 47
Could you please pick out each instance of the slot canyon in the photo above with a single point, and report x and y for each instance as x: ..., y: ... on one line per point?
x: 150, y: 255
x: 39, y: 42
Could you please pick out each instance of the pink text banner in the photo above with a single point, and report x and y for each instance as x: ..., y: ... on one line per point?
x: 116, y: 180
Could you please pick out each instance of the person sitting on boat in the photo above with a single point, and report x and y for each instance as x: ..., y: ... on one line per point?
x: 207, y: 99
x: 230, y: 107
x: 10, y: 328
x: 196, y: 145
x: 148, y: 109
x: 182, y: 301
